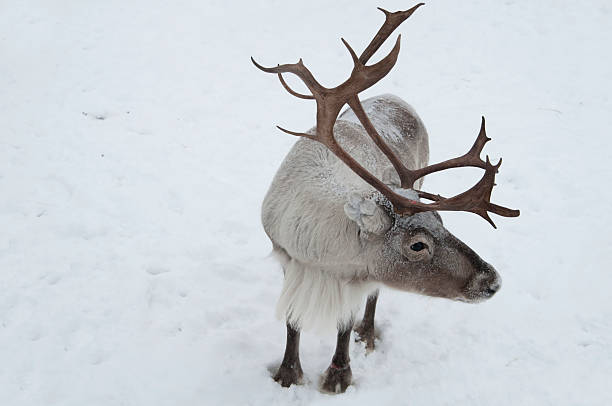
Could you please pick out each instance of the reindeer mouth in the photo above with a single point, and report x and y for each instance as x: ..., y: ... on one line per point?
x: 478, y: 296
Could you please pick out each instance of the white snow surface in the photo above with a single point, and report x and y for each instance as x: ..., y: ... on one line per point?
x: 137, y: 142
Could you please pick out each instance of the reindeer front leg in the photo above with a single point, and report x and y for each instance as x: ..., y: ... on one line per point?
x: 290, y: 371
x: 338, y: 376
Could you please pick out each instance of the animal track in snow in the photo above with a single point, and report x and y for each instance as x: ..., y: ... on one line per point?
x: 157, y: 270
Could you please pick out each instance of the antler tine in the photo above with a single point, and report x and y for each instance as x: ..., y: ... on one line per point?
x: 362, y: 76
x: 392, y: 21
x: 479, y: 144
x: 503, y: 211
x: 299, y: 70
x: 352, y: 52
x: 291, y: 91
x: 384, y: 66
x: 297, y: 134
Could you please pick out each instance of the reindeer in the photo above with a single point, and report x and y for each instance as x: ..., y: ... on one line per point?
x: 345, y: 217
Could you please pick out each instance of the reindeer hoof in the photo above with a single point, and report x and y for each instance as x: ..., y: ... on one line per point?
x: 336, y: 380
x: 287, y: 376
x: 367, y: 335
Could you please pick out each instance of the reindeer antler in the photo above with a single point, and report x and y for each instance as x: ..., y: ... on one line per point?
x: 331, y: 100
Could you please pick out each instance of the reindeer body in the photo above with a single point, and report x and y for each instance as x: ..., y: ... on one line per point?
x: 344, y: 211
x: 328, y: 268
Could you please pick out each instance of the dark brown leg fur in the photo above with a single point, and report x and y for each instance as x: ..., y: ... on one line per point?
x: 338, y: 376
x: 290, y: 371
x: 365, y: 330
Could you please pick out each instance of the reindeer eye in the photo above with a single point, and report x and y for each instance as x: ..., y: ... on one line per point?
x: 418, y: 246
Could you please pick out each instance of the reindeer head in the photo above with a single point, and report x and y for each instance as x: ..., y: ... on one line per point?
x: 417, y: 253
x: 406, y: 238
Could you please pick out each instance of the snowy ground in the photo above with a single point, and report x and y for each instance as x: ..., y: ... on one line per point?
x: 137, y: 142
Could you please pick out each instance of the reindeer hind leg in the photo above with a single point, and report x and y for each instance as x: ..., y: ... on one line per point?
x: 365, y: 330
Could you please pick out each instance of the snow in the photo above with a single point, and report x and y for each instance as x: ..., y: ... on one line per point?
x: 138, y: 142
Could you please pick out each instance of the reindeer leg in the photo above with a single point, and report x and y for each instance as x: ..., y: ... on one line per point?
x: 365, y: 330
x: 290, y: 371
x: 338, y: 376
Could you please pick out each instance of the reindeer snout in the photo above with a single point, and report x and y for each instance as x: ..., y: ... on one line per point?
x: 485, y: 283
x: 491, y: 290
x: 491, y: 282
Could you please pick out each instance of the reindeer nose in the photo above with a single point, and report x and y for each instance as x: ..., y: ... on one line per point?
x: 493, y: 283
x: 491, y: 290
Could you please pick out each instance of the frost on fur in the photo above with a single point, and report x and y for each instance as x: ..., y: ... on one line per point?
x: 370, y: 218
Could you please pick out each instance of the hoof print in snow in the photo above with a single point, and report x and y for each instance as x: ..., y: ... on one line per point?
x: 94, y: 116
x: 157, y: 270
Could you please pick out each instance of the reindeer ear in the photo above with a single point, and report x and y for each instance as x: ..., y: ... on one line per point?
x: 371, y: 218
